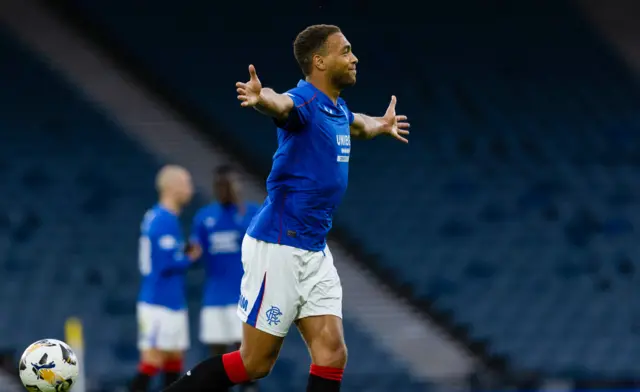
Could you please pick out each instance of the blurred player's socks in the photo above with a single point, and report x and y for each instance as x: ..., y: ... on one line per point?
x: 172, y: 370
x: 145, y: 374
x: 324, y: 379
x: 251, y: 386
x: 215, y: 374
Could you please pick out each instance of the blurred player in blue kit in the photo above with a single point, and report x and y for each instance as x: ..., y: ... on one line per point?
x: 163, y: 334
x: 219, y: 229
x: 289, y: 275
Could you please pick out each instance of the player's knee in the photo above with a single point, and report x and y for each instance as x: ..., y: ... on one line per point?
x: 153, y: 357
x: 258, y: 365
x: 332, y: 353
x: 173, y: 355
x: 258, y: 370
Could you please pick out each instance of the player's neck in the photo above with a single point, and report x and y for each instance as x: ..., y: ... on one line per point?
x: 326, y: 87
x: 171, y: 205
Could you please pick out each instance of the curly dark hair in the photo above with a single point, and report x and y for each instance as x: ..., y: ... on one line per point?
x: 309, y: 42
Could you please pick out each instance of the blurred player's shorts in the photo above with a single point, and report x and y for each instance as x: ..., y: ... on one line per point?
x: 162, y: 328
x: 282, y: 284
x: 220, y: 325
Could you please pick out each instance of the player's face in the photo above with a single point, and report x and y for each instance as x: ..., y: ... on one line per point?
x: 227, y: 188
x: 185, y: 192
x: 341, y: 62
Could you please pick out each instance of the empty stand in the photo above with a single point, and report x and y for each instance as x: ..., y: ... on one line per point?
x: 515, y: 205
x: 74, y: 191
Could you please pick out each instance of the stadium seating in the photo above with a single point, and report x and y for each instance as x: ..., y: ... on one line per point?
x: 74, y: 191
x: 69, y: 216
x: 515, y: 205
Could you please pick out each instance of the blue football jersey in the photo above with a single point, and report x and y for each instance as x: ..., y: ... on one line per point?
x: 161, y: 259
x: 219, y: 230
x: 309, y: 174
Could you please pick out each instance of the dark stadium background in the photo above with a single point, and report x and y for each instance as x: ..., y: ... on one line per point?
x: 504, y: 233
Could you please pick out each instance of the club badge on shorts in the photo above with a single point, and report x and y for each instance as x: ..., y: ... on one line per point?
x: 273, y: 315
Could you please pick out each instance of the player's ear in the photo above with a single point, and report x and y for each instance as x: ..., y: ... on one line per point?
x: 318, y: 62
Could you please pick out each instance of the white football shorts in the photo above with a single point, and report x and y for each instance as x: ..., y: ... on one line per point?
x: 220, y: 325
x: 282, y: 284
x: 162, y: 328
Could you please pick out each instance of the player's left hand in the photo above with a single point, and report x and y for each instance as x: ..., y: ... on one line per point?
x: 394, y: 125
x: 193, y: 251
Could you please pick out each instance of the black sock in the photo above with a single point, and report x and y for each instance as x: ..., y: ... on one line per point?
x: 319, y: 384
x: 170, y: 378
x: 140, y: 383
x: 251, y: 386
x: 209, y: 375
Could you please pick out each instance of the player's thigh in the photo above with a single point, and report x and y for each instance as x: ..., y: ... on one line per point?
x: 269, y: 296
x: 320, y: 317
x: 321, y: 287
x: 324, y: 336
x: 269, y: 302
x: 259, y: 351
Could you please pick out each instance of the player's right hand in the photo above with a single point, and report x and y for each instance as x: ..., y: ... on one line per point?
x: 249, y: 92
x: 193, y: 251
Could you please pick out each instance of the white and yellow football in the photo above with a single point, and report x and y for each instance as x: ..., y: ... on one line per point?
x: 48, y: 365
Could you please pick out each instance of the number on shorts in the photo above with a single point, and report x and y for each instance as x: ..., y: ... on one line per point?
x: 144, y: 255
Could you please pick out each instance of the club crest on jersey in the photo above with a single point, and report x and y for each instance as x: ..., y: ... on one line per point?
x: 273, y: 315
x: 210, y: 222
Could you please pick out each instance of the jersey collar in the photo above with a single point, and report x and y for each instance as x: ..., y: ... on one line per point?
x: 320, y: 96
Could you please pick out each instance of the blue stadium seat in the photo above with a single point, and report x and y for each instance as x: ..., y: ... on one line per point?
x: 75, y: 190
x: 516, y: 203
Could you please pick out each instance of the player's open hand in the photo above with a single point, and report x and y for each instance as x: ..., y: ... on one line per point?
x: 249, y: 92
x: 395, y: 125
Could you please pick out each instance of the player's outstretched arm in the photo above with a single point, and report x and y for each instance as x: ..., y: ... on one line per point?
x: 367, y: 127
x: 263, y: 99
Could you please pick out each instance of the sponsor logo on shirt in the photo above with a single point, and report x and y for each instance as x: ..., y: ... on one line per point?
x: 167, y: 242
x: 344, y: 144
